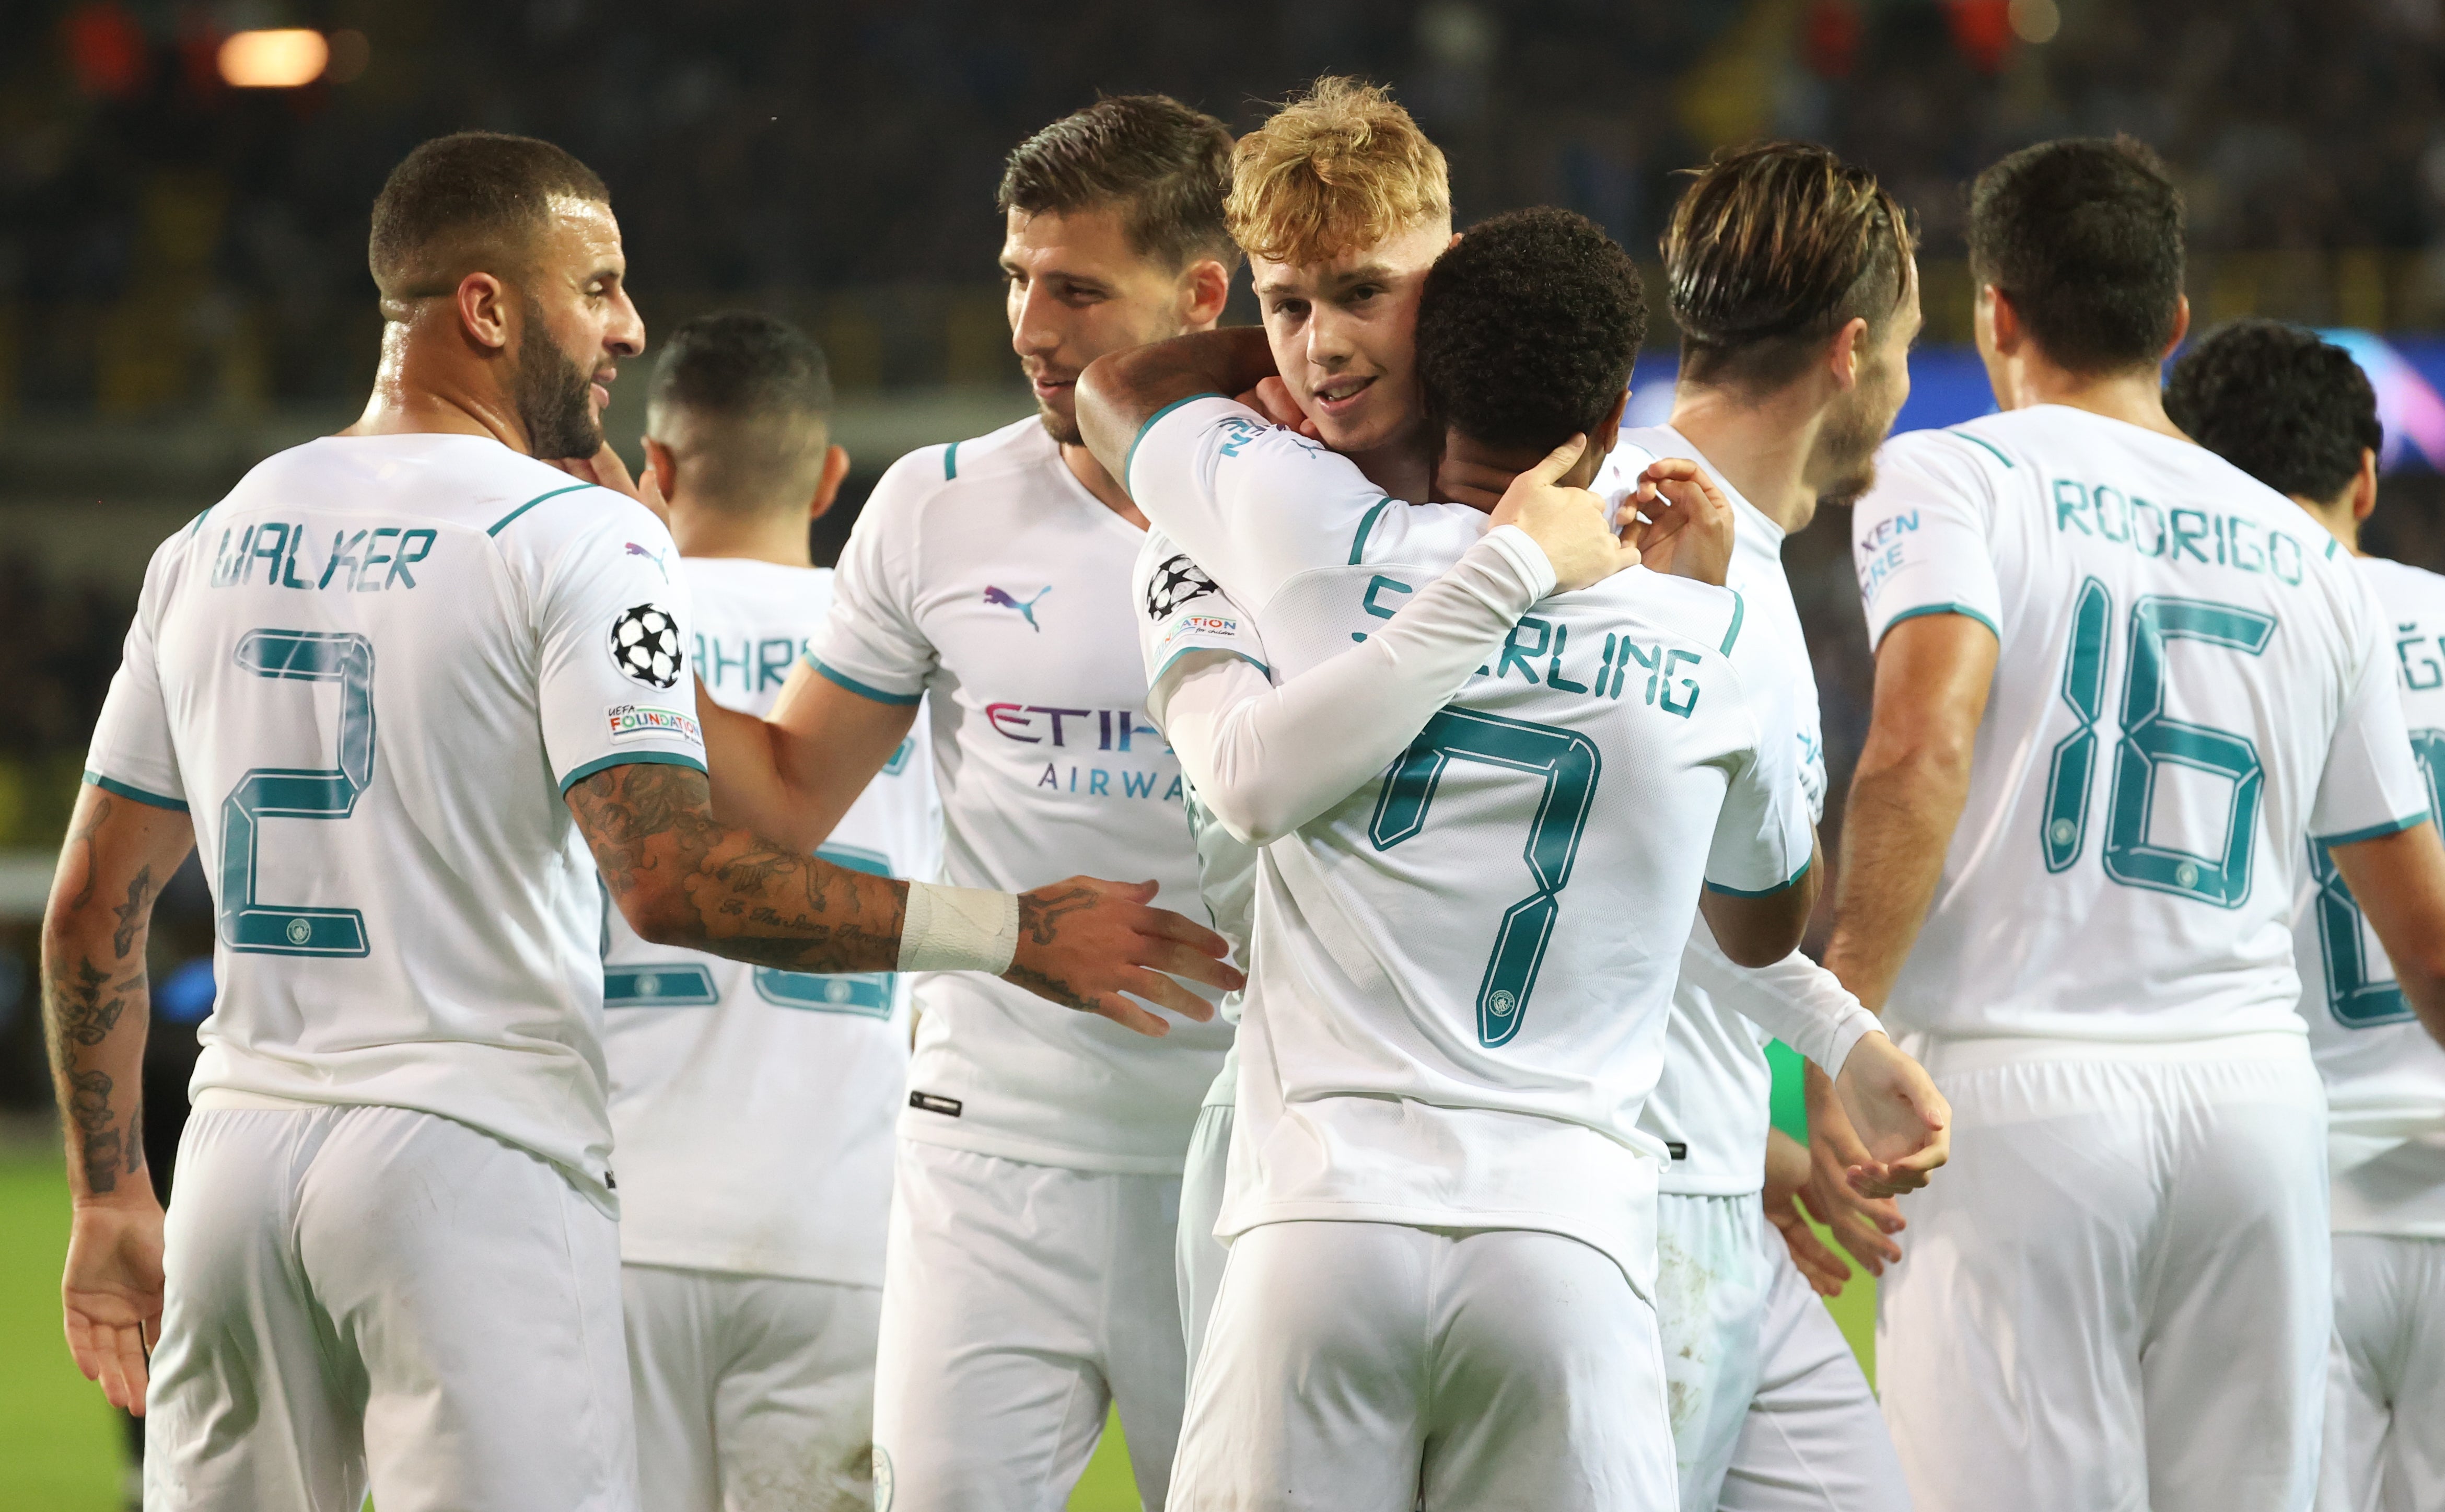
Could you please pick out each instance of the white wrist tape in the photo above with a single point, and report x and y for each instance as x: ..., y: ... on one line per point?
x: 959, y: 929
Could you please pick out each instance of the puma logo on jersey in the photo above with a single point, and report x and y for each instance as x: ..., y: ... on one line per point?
x: 655, y: 557
x: 1002, y: 598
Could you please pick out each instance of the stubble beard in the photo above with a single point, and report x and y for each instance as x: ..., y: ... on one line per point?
x: 555, y: 396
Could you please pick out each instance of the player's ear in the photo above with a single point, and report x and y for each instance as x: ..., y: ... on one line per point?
x: 2364, y: 487
x: 665, y: 466
x: 828, y: 487
x: 2182, y: 324
x: 1608, y: 429
x: 1204, y: 288
x: 483, y: 303
x: 1844, y: 356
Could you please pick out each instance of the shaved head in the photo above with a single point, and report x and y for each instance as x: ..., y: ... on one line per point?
x: 479, y: 201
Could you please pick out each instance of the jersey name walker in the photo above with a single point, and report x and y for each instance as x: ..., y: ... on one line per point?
x: 753, y: 1108
x: 1461, y: 972
x: 2189, y: 683
x: 2384, y: 1075
x: 1714, y: 1101
x: 369, y: 674
x: 983, y: 577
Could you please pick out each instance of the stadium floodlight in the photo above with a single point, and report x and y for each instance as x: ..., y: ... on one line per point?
x: 279, y: 59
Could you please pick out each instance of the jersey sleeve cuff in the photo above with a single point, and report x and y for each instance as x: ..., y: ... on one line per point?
x: 630, y: 759
x: 129, y: 790
x: 2375, y: 832
x: 1922, y: 611
x: 1785, y: 885
x: 864, y: 690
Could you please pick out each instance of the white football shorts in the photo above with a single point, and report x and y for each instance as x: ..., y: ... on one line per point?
x: 374, y: 1296
x: 755, y: 1394
x: 1199, y: 1256
x: 2385, y: 1383
x: 1019, y: 1303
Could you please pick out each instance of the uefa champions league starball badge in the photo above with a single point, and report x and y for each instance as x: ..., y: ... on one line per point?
x: 645, y: 645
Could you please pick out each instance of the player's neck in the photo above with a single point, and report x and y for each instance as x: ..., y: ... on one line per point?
x: 1403, y: 469
x: 1759, y: 445
x: 1092, y: 477
x: 419, y: 392
x: 778, y: 536
x: 2135, y: 397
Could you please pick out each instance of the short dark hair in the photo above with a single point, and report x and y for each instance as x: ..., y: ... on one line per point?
x: 1771, y: 251
x: 750, y: 397
x: 466, y: 203
x: 1528, y: 328
x: 1167, y: 166
x: 2084, y: 237
x: 2292, y: 410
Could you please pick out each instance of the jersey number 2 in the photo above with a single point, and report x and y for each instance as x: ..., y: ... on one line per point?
x: 2357, y: 996
x: 1569, y: 765
x: 2150, y: 742
x: 298, y: 793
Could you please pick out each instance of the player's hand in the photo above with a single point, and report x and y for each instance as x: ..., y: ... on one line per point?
x: 1786, y: 1175
x: 1569, y: 523
x: 1861, y: 1224
x: 111, y: 1292
x: 1084, y: 942
x: 1271, y: 399
x: 1688, y: 529
x: 606, y: 469
x: 1903, y: 1124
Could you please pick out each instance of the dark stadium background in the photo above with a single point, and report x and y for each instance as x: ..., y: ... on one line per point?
x: 183, y: 283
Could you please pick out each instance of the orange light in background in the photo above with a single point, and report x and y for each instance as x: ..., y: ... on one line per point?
x: 273, y: 60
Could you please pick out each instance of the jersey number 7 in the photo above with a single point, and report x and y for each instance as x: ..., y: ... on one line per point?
x: 298, y: 793
x: 2150, y: 742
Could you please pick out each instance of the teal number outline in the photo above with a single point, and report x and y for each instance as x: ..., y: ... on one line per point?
x: 2356, y: 999
x: 247, y: 924
x: 2151, y: 740
x: 1569, y: 764
x: 2071, y: 773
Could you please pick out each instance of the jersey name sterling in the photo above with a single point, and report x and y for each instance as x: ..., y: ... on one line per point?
x: 1670, y: 680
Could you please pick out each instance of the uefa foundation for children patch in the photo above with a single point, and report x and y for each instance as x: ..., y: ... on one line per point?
x: 631, y: 721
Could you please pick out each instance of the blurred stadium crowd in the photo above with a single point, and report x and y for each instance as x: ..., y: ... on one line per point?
x: 171, y: 249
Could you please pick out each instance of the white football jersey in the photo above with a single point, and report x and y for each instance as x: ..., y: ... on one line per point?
x: 1714, y: 1102
x: 752, y: 1107
x: 2191, y: 687
x: 371, y: 673
x: 2384, y: 1075
x: 1461, y: 973
x: 983, y: 577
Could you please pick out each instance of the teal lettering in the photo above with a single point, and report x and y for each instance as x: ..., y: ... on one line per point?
x: 2252, y: 558
x: 2278, y: 545
x: 721, y: 661
x: 774, y: 655
x: 2186, y: 537
x: 367, y: 581
x: 2115, y: 526
x: 398, y: 568
x: 2071, y: 509
x: 341, y: 553
x: 1646, y: 659
x: 1671, y: 661
x: 225, y: 563
x: 2155, y: 516
x: 1173, y: 791
x: 1380, y: 584
x: 1514, y: 654
x: 1100, y: 781
x: 1553, y: 677
x: 1137, y: 784
x: 268, y: 547
x: 289, y: 568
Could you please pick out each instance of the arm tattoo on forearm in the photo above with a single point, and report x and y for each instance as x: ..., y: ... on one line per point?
x: 80, y: 1009
x: 733, y: 893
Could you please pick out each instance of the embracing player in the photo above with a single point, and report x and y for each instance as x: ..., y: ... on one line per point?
x: 2121, y: 688
x: 2298, y: 414
x: 1792, y: 278
x: 752, y: 1108
x: 1028, y: 1279
x: 395, y: 686
x: 1380, y: 1091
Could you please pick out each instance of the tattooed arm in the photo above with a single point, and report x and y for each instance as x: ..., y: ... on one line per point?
x: 95, y: 1007
x: 680, y: 877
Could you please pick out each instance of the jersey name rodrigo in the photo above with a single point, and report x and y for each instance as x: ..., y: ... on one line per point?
x: 370, y: 674
x: 1460, y: 975
x: 754, y: 1108
x: 983, y: 578
x: 2184, y: 694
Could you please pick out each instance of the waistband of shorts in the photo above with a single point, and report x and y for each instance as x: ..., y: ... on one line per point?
x: 228, y: 1099
x: 1942, y: 1055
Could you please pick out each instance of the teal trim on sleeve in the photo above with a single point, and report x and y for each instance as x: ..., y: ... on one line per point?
x: 1962, y: 610
x: 1366, y: 523
x: 2332, y: 546
x: 1764, y: 892
x: 2376, y: 832
x: 1740, y: 610
x: 860, y: 689
x: 114, y: 784
x: 951, y: 462
x: 502, y: 523
x: 1173, y: 659
x: 197, y: 523
x: 630, y: 759
x: 1135, y: 442
x: 1989, y: 445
